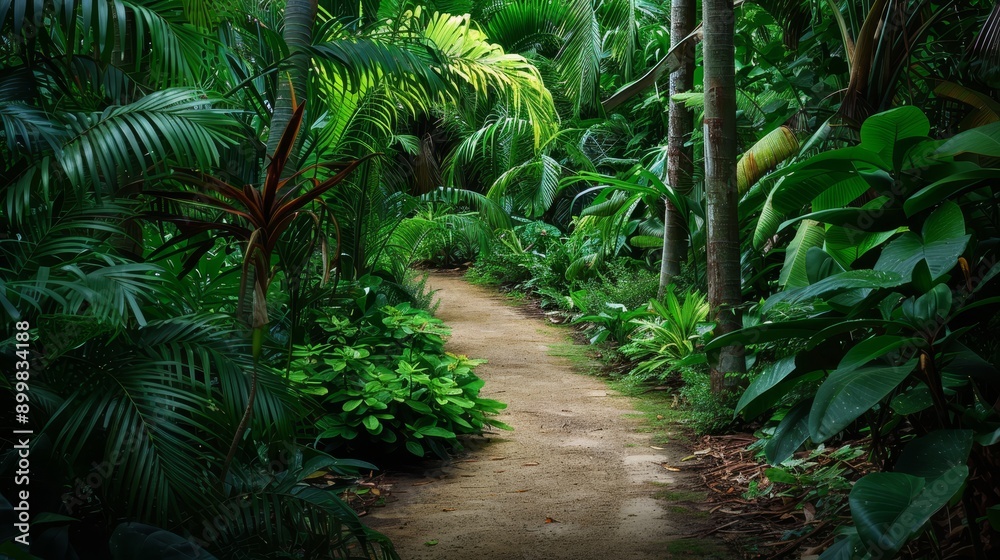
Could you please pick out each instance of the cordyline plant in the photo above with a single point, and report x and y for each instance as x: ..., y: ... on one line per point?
x: 264, y: 214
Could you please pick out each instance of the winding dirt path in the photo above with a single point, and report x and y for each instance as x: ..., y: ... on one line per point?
x: 574, y: 480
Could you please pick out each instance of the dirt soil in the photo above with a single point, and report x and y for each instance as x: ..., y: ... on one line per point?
x: 574, y: 480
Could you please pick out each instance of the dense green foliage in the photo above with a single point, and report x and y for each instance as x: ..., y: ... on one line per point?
x: 387, y: 383
x: 166, y: 268
x: 210, y: 211
x: 868, y: 225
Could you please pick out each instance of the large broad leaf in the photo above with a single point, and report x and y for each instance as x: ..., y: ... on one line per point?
x: 933, y: 455
x: 842, y: 326
x: 793, y: 273
x: 834, y: 172
x: 902, y: 255
x: 873, y: 348
x: 947, y: 222
x: 768, y: 223
x: 889, y: 509
x: 790, y: 434
x: 850, y: 280
x: 874, y: 215
x: 838, y: 185
x: 848, y: 547
x: 848, y: 245
x: 933, y: 307
x: 772, y: 376
x: 847, y: 394
x: 912, y: 400
x: 775, y: 147
x: 984, y: 140
x: 944, y: 240
x: 769, y: 332
x: 882, y: 132
x: 820, y: 265
x: 948, y: 187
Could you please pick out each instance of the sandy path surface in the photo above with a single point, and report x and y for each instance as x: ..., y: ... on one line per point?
x: 574, y: 480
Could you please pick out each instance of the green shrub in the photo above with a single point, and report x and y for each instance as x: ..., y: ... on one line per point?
x: 421, y: 295
x: 505, y: 262
x: 386, y: 384
x: 623, y: 280
x: 670, y: 335
x: 709, y: 413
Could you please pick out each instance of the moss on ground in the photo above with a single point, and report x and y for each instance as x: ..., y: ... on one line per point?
x: 580, y: 357
x: 681, y: 496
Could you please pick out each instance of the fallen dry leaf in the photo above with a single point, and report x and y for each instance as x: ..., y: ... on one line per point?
x: 550, y: 520
x: 809, y: 511
x: 669, y: 468
x: 447, y: 509
x: 655, y: 447
x: 497, y: 458
x: 530, y: 464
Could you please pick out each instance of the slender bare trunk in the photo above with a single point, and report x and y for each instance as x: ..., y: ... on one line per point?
x: 681, y: 121
x: 720, y: 185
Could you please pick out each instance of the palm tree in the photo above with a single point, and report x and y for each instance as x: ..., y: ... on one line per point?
x: 680, y: 166
x: 145, y: 390
x: 723, y: 243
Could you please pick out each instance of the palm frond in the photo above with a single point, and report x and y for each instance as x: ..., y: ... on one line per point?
x: 485, y: 67
x: 28, y: 131
x: 494, y: 214
x: 621, y: 40
x: 283, y: 512
x: 175, y: 50
x: 146, y: 400
x: 176, y: 125
x: 987, y: 45
x: 63, y: 261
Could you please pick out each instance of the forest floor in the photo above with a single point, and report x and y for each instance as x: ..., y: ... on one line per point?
x: 578, y: 477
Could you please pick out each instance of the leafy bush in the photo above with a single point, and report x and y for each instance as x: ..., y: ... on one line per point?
x: 709, y: 413
x: 615, y: 321
x: 884, y: 350
x: 387, y: 384
x: 505, y: 262
x: 623, y: 280
x: 670, y: 336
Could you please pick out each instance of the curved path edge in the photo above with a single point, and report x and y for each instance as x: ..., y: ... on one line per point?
x: 574, y: 480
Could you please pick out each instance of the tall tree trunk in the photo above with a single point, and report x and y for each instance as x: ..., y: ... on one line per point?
x: 681, y: 121
x: 720, y: 185
x: 297, y: 32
